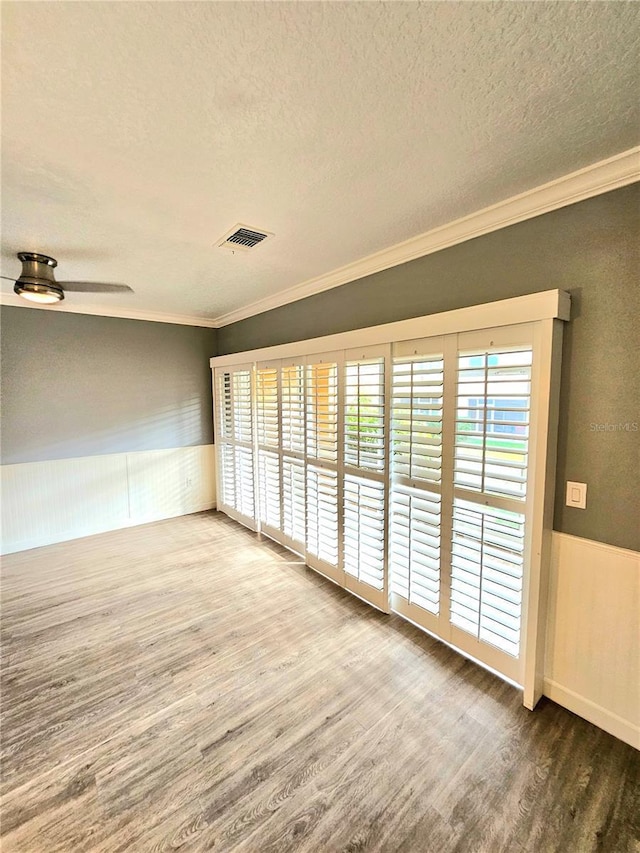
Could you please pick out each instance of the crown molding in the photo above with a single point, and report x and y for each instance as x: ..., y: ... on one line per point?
x: 15, y: 301
x: 593, y: 180
x: 600, y: 177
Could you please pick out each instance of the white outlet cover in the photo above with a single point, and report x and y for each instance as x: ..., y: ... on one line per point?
x: 576, y: 495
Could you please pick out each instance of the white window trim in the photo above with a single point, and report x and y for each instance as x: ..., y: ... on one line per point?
x: 545, y: 310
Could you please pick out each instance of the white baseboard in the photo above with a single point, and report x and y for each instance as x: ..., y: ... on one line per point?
x: 596, y: 714
x: 63, y: 499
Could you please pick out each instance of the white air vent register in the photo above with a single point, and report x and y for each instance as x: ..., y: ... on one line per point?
x: 243, y: 237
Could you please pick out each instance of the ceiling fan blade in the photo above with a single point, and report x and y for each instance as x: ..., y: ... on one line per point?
x: 94, y: 287
x: 10, y: 277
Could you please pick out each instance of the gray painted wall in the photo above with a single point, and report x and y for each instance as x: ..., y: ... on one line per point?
x: 590, y: 249
x: 77, y: 385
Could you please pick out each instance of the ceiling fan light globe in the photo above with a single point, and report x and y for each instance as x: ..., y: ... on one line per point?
x: 44, y: 294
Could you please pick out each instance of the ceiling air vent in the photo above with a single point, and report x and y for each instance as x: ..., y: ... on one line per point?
x: 243, y: 237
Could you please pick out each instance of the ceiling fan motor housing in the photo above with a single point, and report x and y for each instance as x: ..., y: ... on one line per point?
x: 37, y: 275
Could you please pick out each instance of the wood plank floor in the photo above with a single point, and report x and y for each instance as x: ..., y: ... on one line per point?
x: 184, y: 685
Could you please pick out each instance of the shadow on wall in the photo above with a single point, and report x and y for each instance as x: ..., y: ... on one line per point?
x: 79, y: 385
x: 168, y: 427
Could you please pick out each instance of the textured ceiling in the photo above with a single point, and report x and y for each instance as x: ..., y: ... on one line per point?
x: 136, y: 134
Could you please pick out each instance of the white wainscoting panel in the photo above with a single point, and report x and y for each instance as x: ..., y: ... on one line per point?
x: 46, y: 502
x: 593, y: 634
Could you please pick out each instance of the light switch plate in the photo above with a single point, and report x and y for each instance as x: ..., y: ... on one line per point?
x: 576, y: 495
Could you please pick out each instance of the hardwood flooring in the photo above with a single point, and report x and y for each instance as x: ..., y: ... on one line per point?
x: 184, y: 685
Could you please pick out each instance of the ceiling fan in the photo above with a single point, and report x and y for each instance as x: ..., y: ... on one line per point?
x: 37, y: 282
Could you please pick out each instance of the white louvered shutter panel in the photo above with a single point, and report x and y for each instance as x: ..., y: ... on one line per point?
x: 235, y: 424
x: 268, y: 441
x: 293, y: 504
x: 322, y: 457
x: 492, y: 422
x: 364, y: 446
x: 225, y: 406
x: 292, y: 384
x: 243, y: 435
x: 416, y: 458
x: 416, y: 429
x: 415, y: 547
x: 491, y: 457
x: 242, y: 406
x: 364, y: 530
x: 322, y: 411
x: 322, y: 514
x: 245, y: 489
x: 227, y: 477
x: 293, y: 421
x: 486, y: 574
x: 226, y: 474
x: 269, y: 488
x: 267, y: 413
x: 365, y: 463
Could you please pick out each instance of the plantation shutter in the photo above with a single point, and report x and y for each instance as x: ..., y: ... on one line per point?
x: 322, y: 517
x: 491, y: 446
x: 268, y: 447
x: 293, y: 418
x: 416, y: 477
x: 267, y: 408
x: 294, y: 501
x: 292, y: 407
x: 224, y: 438
x: 365, y: 474
x: 226, y: 476
x: 322, y: 455
x: 235, y: 406
x: 406, y: 471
